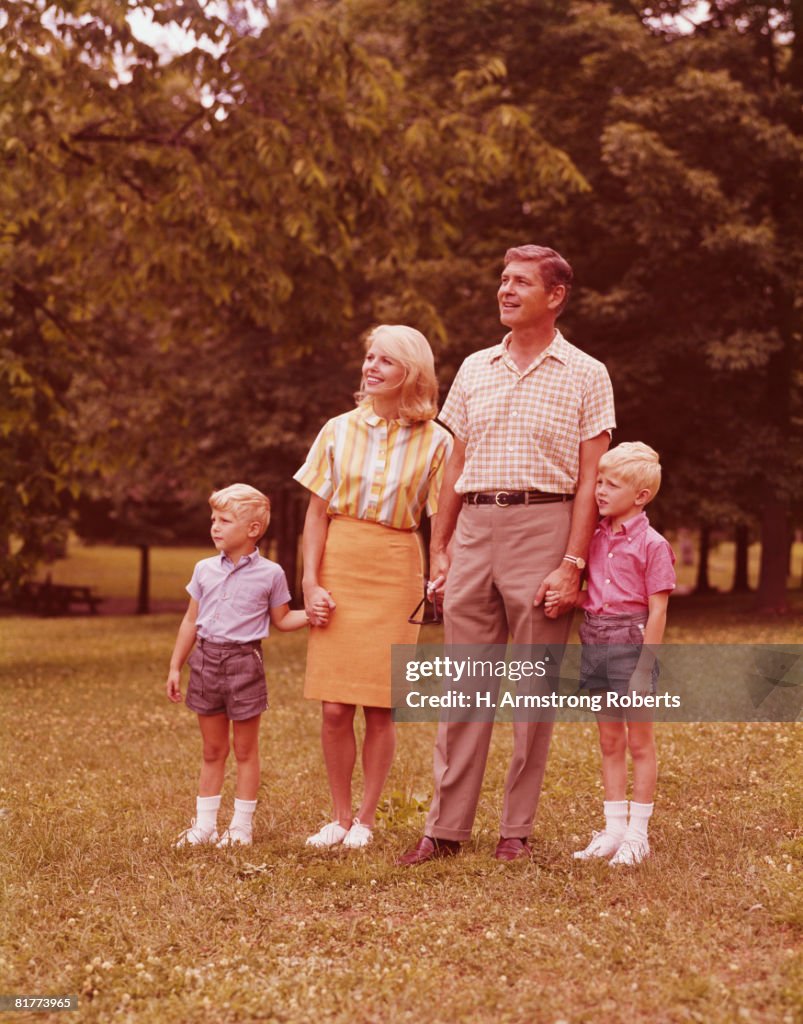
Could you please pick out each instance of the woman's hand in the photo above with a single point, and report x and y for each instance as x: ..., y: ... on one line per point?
x: 318, y: 604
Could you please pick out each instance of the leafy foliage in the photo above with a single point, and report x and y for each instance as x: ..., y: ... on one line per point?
x: 192, y: 246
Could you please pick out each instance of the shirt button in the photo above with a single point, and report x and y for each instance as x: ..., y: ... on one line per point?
x: 514, y: 413
x: 511, y: 448
x: 607, y: 581
x: 610, y: 554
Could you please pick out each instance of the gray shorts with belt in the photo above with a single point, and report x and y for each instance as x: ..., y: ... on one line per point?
x: 227, y: 679
x: 611, y: 650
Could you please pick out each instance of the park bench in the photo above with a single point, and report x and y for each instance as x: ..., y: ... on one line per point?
x: 49, y: 598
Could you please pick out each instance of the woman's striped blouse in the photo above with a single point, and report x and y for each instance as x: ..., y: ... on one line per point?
x: 379, y: 470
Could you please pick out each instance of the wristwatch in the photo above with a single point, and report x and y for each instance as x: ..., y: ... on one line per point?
x: 576, y: 561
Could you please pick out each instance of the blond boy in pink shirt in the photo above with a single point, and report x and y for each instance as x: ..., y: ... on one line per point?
x: 630, y: 577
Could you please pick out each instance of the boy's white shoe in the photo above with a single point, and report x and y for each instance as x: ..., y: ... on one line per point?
x: 358, y: 835
x: 196, y: 836
x: 233, y: 836
x: 329, y: 835
x: 632, y: 851
x: 602, y: 844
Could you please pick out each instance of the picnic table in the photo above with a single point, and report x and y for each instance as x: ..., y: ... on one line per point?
x: 48, y: 598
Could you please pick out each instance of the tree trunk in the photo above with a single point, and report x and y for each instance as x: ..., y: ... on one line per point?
x: 288, y: 528
x: 703, y: 585
x: 774, y: 557
x: 295, y: 525
x: 144, y: 596
x: 795, y: 67
x: 741, y: 584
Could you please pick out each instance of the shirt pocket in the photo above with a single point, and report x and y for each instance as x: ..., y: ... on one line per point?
x: 250, y: 598
x: 554, y: 423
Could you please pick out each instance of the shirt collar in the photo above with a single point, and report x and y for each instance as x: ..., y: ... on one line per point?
x: 558, y: 348
x: 245, y: 560
x: 632, y: 528
x: 372, y: 419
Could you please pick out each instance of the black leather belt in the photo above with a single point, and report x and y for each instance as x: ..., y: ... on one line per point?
x: 505, y: 498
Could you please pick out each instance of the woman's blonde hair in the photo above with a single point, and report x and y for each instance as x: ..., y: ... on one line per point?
x: 419, y: 393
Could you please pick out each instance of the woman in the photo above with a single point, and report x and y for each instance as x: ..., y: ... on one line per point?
x: 371, y: 471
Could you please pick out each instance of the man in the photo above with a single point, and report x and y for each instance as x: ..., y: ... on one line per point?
x: 531, y: 418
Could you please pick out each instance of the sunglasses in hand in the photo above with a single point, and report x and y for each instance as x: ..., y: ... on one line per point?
x: 426, y: 612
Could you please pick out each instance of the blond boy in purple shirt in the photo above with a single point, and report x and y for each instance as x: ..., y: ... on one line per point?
x: 630, y: 577
x: 232, y: 597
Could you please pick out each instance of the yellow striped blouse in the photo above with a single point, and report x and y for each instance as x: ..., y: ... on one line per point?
x: 379, y: 470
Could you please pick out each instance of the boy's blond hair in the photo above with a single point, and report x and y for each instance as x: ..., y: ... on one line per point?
x: 636, y: 463
x: 246, y: 502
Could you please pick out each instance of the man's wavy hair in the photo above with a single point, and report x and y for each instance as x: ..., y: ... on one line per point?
x: 552, y: 267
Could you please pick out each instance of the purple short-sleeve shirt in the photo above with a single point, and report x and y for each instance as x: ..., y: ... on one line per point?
x: 234, y: 601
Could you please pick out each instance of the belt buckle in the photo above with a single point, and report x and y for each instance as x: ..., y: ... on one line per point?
x: 502, y: 504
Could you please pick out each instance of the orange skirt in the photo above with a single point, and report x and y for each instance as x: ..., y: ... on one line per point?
x: 374, y: 575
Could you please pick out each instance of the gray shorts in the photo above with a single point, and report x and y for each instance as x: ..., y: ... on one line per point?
x: 227, y: 679
x: 611, y: 650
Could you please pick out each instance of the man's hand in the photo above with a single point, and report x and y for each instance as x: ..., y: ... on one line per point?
x: 173, y: 686
x: 438, y: 571
x: 559, y: 591
x: 317, y: 604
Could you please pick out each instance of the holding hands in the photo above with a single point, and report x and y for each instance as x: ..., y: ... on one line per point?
x: 318, y: 604
x: 559, y: 591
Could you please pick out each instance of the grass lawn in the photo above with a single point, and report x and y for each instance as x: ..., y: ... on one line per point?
x: 99, y: 776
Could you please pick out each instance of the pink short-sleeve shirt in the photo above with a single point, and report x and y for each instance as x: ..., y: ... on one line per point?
x: 625, y: 568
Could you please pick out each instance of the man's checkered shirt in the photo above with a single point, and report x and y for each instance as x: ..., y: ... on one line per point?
x: 522, y: 429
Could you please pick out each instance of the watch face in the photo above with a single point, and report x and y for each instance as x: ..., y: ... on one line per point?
x: 580, y: 563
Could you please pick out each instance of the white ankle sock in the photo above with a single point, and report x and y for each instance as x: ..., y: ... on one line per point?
x: 243, y: 815
x: 206, y: 808
x: 639, y: 820
x: 615, y: 818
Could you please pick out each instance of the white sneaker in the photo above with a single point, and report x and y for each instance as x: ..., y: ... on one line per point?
x: 631, y: 852
x: 196, y: 836
x: 602, y: 844
x: 358, y: 835
x: 235, y: 837
x: 330, y: 835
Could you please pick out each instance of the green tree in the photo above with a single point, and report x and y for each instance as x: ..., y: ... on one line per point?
x: 250, y: 207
